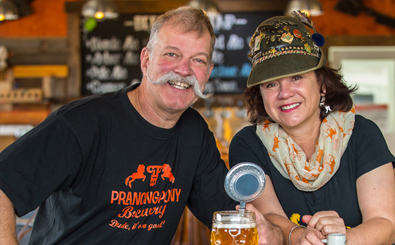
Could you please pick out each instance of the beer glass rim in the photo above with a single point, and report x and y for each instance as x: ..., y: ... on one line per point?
x: 229, y: 216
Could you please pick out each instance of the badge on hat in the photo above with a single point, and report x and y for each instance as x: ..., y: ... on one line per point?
x: 257, y: 43
x: 297, y: 33
x: 287, y: 37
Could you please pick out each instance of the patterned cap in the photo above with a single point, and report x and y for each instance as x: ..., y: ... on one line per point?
x: 284, y: 46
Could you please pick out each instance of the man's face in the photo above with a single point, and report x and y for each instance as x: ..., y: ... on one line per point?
x: 185, y: 54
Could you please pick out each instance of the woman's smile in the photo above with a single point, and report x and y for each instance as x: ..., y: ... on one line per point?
x: 286, y: 108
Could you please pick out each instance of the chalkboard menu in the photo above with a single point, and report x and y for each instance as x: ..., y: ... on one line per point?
x: 110, y: 51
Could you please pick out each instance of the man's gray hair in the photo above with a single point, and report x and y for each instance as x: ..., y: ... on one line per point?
x: 187, y: 18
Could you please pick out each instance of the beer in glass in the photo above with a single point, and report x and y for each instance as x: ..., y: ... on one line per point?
x: 234, y: 228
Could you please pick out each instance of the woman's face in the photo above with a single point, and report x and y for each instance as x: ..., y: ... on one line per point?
x: 293, y: 102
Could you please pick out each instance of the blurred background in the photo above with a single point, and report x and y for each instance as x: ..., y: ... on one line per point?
x: 55, y: 51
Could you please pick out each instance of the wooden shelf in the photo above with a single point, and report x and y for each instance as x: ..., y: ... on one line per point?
x: 33, y: 95
x: 32, y: 117
x: 36, y: 71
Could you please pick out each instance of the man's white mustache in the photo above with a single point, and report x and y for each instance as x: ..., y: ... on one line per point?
x: 171, y: 76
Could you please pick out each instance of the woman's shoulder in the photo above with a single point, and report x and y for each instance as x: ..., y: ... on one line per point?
x: 246, y: 135
x: 367, y: 137
x: 362, y: 120
x: 247, y: 130
x: 364, y: 124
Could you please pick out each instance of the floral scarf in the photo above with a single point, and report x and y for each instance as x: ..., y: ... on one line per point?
x: 290, y: 160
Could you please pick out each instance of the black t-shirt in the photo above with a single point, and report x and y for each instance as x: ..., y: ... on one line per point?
x: 101, y: 174
x: 366, y: 151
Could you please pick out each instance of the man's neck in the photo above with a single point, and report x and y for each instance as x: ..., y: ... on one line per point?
x: 151, y: 113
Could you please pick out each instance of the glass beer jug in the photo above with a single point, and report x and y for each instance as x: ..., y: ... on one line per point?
x: 234, y: 228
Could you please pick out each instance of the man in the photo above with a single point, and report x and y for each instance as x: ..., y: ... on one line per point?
x: 119, y: 168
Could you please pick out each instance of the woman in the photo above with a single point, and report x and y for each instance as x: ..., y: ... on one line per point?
x: 328, y: 170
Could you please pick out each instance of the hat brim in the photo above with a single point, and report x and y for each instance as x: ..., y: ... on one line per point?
x: 283, y: 66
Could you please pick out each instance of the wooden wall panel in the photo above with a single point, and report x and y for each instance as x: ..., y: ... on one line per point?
x: 47, y: 20
x: 336, y: 23
x: 40, y: 50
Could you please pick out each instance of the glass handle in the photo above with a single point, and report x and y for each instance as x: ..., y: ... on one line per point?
x: 242, y: 207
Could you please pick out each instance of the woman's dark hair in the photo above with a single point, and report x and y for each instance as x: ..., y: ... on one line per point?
x: 337, y: 96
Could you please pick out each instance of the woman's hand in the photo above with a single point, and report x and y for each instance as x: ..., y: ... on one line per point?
x: 326, y: 222
x: 309, y: 236
x: 319, y: 226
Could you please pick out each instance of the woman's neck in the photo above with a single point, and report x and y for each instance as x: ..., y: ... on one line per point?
x: 307, y: 139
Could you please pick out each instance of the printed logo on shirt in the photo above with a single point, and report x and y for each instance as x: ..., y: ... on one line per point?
x: 295, y: 218
x: 155, y: 170
x: 146, y: 203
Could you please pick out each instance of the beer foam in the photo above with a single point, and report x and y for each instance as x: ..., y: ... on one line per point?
x: 234, y: 226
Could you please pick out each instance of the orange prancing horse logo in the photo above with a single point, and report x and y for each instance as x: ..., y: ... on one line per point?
x: 154, y: 170
x: 138, y: 175
x: 167, y: 173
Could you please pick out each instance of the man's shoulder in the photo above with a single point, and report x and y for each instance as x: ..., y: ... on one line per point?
x: 193, y: 124
x: 192, y: 116
x: 91, y: 105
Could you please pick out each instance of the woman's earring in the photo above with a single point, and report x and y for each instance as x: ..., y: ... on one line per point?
x: 327, y: 107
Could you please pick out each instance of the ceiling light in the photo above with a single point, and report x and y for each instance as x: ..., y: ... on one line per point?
x: 314, y: 7
x: 8, y: 11
x: 209, y: 6
x: 99, y: 9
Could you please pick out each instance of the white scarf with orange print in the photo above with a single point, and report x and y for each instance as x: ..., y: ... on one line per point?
x: 290, y: 160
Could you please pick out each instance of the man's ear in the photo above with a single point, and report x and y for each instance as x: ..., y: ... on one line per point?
x: 144, y: 59
x: 210, y: 69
